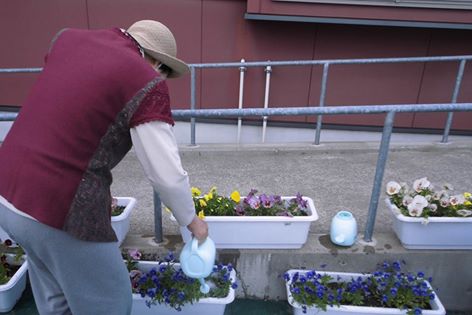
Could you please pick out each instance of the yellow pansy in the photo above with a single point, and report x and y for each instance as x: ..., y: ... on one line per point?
x: 467, y: 203
x: 467, y: 195
x: 196, y: 192
x: 213, y: 190
x: 202, y: 203
x: 235, y: 196
x: 201, y: 214
x: 209, y: 196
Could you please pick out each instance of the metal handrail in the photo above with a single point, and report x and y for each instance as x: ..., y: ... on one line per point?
x: 326, y: 64
x: 390, y: 111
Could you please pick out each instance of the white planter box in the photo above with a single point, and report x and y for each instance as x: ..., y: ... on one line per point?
x: 432, y: 233
x: 436, y: 306
x: 11, y: 291
x: 207, y: 306
x: 259, y: 232
x: 120, y: 223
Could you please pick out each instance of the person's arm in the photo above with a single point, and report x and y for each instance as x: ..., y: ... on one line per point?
x: 157, y: 150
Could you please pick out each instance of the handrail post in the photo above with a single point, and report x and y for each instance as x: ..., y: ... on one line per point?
x: 319, y: 118
x: 457, y: 86
x: 268, y: 71
x: 157, y: 218
x: 379, y: 172
x: 193, y: 102
x: 242, y: 70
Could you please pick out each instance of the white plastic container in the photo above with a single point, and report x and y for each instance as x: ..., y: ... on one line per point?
x: 433, y: 232
x: 343, y: 230
x: 11, y: 291
x: 436, y: 306
x: 120, y: 223
x: 206, y: 306
x: 259, y: 232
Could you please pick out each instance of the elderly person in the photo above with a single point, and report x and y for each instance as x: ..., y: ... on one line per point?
x: 100, y: 92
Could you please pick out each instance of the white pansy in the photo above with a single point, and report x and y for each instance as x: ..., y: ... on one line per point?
x: 407, y: 200
x: 444, y: 202
x: 438, y: 194
x: 433, y: 207
x: 464, y: 213
x: 457, y: 200
x: 420, y: 184
x: 415, y: 208
x: 428, y: 198
x: 393, y: 188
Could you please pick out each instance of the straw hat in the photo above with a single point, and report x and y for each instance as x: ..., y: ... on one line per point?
x: 157, y: 41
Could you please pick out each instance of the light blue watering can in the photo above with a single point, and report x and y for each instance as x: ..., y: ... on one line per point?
x: 343, y: 229
x: 197, y: 261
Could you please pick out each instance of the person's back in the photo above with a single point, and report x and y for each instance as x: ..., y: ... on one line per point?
x: 79, y: 108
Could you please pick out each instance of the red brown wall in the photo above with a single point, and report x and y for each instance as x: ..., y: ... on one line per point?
x: 215, y: 31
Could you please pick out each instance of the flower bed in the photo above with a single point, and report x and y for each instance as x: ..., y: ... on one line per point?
x: 254, y: 221
x: 120, y: 220
x: 163, y: 288
x: 427, y: 218
x: 13, y: 269
x: 386, y: 291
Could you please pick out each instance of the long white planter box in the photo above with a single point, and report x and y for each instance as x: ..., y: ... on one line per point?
x: 436, y: 306
x: 259, y: 232
x: 120, y: 223
x: 11, y: 291
x: 207, y: 306
x: 432, y: 233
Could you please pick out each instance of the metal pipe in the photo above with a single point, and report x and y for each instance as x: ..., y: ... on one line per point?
x: 379, y: 172
x: 157, y: 218
x: 193, y: 102
x: 242, y: 70
x: 268, y: 71
x: 455, y: 94
x: 335, y: 110
x: 319, y: 118
x: 331, y: 61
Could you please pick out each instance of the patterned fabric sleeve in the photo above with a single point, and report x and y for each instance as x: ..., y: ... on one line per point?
x: 155, y: 106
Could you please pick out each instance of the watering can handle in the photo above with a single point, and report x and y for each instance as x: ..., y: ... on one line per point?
x: 194, y: 245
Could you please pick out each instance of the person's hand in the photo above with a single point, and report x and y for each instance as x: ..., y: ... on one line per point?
x: 199, y: 228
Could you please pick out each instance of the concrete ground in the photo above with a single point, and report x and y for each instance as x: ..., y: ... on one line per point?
x: 337, y: 175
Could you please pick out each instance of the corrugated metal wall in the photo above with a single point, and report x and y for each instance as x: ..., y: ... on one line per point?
x: 216, y: 31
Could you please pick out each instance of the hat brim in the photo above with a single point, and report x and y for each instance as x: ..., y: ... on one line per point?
x: 178, y: 67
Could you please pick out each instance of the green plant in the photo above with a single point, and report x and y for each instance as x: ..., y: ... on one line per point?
x: 214, y: 204
x: 424, y: 200
x: 7, y: 270
x: 168, y: 285
x: 387, y: 287
x: 116, y: 210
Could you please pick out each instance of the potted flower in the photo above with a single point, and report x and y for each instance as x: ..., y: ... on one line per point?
x: 13, y: 269
x: 162, y: 288
x: 388, y: 290
x: 426, y: 217
x: 120, y: 216
x: 255, y: 220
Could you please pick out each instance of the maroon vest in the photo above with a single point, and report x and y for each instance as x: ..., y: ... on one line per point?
x: 56, y: 161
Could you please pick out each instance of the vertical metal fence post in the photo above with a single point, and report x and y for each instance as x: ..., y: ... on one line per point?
x: 379, y: 172
x: 242, y: 70
x: 193, y: 102
x: 157, y: 218
x: 268, y: 71
x: 457, y: 87
x: 322, y: 101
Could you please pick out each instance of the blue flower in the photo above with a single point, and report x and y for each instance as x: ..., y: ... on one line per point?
x: 286, y: 276
x: 234, y: 285
x: 421, y: 274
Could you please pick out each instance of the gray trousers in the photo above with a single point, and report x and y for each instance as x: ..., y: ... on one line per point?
x: 67, y: 275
